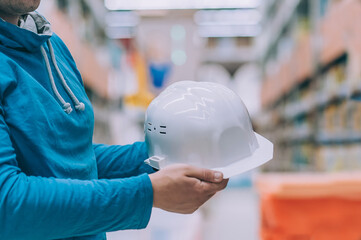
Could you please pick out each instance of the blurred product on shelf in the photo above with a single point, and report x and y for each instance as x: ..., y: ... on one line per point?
x: 159, y: 73
x: 310, y: 206
x: 143, y: 96
x: 158, y: 60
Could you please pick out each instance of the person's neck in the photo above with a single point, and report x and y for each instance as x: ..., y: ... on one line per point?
x: 14, y: 19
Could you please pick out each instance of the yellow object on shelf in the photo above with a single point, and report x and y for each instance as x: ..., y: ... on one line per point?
x: 143, y: 96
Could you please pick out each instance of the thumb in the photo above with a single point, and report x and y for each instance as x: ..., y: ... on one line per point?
x: 205, y: 174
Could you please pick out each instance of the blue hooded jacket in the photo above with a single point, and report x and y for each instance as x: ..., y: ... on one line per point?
x: 54, y: 182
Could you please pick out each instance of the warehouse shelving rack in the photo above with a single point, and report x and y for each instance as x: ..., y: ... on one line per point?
x: 298, y: 92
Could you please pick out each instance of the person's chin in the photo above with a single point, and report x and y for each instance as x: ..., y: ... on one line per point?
x: 29, y: 6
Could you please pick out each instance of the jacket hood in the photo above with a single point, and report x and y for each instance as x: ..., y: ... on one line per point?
x: 32, y: 32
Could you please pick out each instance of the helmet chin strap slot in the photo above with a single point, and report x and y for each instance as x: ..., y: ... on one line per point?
x: 156, y: 162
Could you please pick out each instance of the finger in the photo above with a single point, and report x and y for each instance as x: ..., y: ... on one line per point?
x: 210, y: 188
x: 224, y: 183
x: 204, y: 174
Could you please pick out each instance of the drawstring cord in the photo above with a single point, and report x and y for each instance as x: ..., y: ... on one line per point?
x: 78, y: 105
x: 66, y: 106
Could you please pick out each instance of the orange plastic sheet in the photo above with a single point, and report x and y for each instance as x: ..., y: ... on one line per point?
x: 310, y: 206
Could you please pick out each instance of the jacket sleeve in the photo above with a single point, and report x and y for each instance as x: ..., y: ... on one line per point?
x: 121, y: 161
x: 33, y: 207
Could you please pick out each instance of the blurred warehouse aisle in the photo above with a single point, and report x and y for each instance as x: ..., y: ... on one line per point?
x: 232, y: 214
x: 295, y: 63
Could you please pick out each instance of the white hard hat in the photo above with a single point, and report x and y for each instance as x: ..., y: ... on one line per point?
x: 203, y: 124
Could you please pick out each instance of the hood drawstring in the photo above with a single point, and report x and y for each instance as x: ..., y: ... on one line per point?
x: 78, y: 105
x: 66, y: 106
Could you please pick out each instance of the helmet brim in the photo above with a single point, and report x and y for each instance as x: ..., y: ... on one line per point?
x: 261, y: 155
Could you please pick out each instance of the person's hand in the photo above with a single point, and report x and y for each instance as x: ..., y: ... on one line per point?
x: 183, y: 188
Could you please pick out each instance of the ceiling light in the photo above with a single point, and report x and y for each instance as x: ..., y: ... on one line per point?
x: 229, y: 31
x: 121, y: 19
x: 228, y: 17
x: 184, y: 4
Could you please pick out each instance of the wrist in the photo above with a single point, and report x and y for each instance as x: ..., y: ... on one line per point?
x: 153, y: 181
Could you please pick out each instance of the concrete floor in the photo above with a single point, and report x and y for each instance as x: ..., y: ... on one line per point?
x: 230, y: 215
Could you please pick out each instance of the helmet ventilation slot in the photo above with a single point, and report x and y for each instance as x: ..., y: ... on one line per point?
x: 149, y: 127
x: 163, y: 129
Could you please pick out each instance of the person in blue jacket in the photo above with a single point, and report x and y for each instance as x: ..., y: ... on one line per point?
x: 55, y: 183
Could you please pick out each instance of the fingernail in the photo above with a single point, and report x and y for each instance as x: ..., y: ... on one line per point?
x: 217, y: 176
